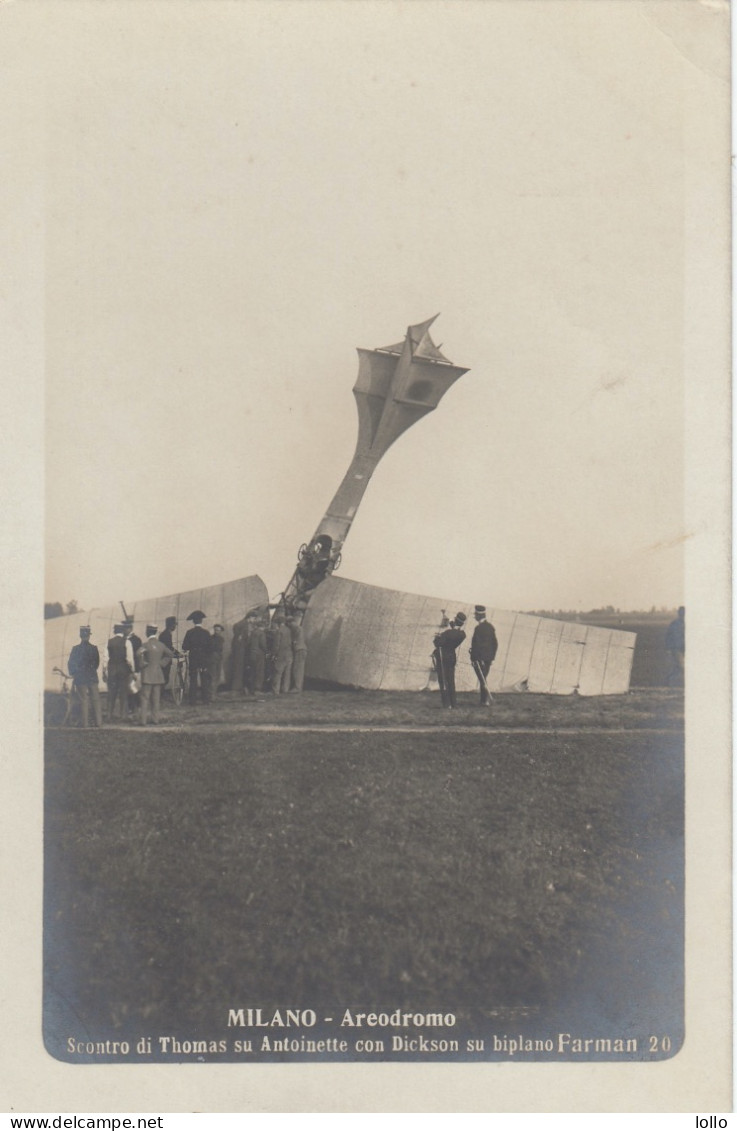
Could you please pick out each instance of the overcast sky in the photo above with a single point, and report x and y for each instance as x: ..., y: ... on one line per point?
x: 240, y: 194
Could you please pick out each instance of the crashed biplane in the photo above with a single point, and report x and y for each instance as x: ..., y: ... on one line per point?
x: 363, y: 636
x: 396, y: 386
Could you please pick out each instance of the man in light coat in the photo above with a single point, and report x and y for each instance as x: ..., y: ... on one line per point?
x: 167, y: 637
x: 151, y: 656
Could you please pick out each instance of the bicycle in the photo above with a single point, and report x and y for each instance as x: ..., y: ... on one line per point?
x: 61, y: 708
x: 179, y: 679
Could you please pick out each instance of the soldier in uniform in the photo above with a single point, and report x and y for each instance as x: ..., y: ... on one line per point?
x: 198, y: 643
x: 84, y: 660
x: 446, y: 645
x: 483, y: 650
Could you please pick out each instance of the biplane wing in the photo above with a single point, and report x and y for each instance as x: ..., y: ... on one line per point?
x: 381, y: 639
x: 225, y: 604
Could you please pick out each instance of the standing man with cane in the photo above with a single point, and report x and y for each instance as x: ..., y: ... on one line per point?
x: 446, y: 644
x: 483, y: 650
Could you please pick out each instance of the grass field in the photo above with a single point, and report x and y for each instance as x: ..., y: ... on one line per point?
x: 523, y: 865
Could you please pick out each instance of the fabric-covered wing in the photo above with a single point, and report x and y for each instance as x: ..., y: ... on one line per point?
x: 364, y: 636
x: 224, y: 604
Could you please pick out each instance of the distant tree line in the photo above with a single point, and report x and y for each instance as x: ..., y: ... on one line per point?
x: 56, y: 609
x: 607, y: 610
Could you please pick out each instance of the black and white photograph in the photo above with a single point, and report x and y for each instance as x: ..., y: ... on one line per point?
x: 385, y: 456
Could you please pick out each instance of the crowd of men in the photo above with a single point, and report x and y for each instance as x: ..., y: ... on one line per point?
x: 264, y: 653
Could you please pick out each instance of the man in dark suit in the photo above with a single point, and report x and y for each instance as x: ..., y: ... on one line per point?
x: 134, y: 698
x: 84, y: 660
x: 483, y: 650
x: 217, y: 646
x: 135, y: 640
x: 447, y: 644
x: 198, y: 644
x: 119, y: 668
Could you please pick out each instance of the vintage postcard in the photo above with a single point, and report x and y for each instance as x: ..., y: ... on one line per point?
x: 378, y: 387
